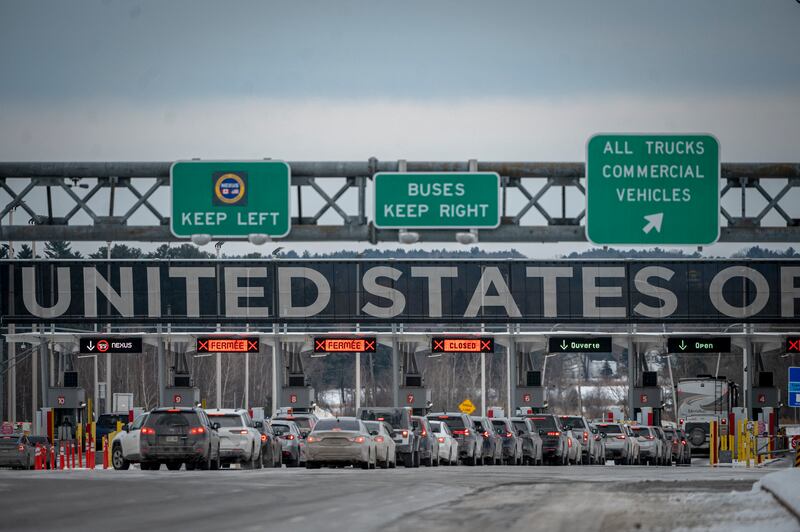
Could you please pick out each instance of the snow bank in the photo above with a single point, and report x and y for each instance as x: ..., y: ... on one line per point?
x: 784, y: 486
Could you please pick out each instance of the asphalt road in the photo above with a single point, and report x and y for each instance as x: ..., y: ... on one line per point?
x: 573, y: 498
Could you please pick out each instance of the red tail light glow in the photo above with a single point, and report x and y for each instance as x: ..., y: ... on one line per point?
x: 485, y: 433
x: 621, y: 437
x: 379, y: 439
x: 263, y: 437
x: 650, y: 437
x: 683, y: 442
x: 173, y: 410
x: 312, y: 439
x: 148, y: 430
x: 359, y: 439
x: 585, y: 436
x: 424, y: 433
x: 289, y: 436
x: 556, y: 433
x: 508, y: 435
x: 464, y: 432
x: 199, y: 430
x: 569, y: 442
x: 405, y: 434
x: 441, y: 439
x: 21, y: 448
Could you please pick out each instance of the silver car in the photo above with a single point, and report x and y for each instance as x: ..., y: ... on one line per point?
x: 618, y: 446
x: 385, y: 447
x: 340, y: 441
x: 583, y: 432
x: 293, y: 446
x: 651, y: 447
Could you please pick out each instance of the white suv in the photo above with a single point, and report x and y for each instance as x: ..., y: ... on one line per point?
x: 239, y: 437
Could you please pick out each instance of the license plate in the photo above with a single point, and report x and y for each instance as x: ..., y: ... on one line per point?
x: 172, y: 439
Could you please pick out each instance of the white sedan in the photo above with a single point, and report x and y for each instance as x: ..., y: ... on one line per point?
x: 448, y: 445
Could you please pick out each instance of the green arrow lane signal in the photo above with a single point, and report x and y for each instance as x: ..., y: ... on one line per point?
x: 682, y: 345
x: 564, y: 345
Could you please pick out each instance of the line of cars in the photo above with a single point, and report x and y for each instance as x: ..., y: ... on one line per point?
x: 384, y: 437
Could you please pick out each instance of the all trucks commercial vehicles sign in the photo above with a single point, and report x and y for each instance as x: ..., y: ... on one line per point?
x: 414, y: 291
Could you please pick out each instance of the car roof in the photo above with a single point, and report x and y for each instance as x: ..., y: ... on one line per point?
x: 225, y: 411
x: 174, y: 409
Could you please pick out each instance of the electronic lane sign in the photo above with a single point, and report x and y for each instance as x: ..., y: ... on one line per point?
x: 411, y: 200
x: 793, y: 344
x: 462, y: 345
x: 230, y: 199
x: 573, y: 344
x: 220, y: 344
x: 359, y: 344
x: 114, y: 345
x: 794, y: 386
x: 683, y: 344
x: 652, y: 189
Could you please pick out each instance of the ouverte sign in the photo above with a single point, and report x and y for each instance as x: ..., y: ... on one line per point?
x: 400, y: 291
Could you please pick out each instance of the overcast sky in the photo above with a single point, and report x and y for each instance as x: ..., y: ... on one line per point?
x: 111, y: 80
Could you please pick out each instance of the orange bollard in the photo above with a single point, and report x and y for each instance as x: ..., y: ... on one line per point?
x: 52, y: 457
x: 60, y: 455
x: 105, y: 453
x: 80, y: 455
x: 37, y: 457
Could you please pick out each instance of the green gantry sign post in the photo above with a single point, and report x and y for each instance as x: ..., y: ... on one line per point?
x: 416, y: 200
x: 230, y: 199
x: 644, y: 189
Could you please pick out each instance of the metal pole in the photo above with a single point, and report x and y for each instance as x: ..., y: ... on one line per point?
x: 483, y: 384
x: 358, y: 381
x: 109, y: 405
x: 35, y: 379
x: 631, y: 374
x: 12, y: 377
x: 247, y: 381
x: 160, y: 364
x: 672, y: 387
x: 746, y: 373
x: 219, y: 380
x: 96, y: 388
x: 2, y: 366
x: 395, y: 372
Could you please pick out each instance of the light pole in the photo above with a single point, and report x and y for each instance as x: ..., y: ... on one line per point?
x: 96, y: 391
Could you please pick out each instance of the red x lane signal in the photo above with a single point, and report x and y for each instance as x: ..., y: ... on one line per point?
x: 340, y: 344
x: 462, y: 345
x: 793, y: 345
x: 222, y: 344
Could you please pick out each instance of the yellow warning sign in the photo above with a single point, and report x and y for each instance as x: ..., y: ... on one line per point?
x: 466, y: 406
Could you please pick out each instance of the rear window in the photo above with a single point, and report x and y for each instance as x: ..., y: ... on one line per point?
x: 280, y: 429
x: 302, y: 422
x: 398, y: 419
x: 436, y: 426
x: 110, y: 422
x: 337, y: 424
x: 574, y: 422
x: 418, y: 423
x: 544, y: 422
x: 520, y: 425
x: 670, y: 433
x: 172, y: 420
x: 227, y: 420
x: 610, y: 429
x: 641, y: 431
x: 499, y: 426
x: 478, y: 425
x: 455, y: 423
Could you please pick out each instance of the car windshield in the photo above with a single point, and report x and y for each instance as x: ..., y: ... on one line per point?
x: 336, y: 424
x: 302, y: 422
x: 455, y: 423
x: 172, y: 419
x: 436, y: 426
x: 106, y: 422
x: 544, y: 422
x: 610, y: 429
x: 227, y: 420
x: 573, y: 421
x: 670, y: 434
x: 641, y: 431
x: 281, y: 430
x: 499, y: 426
x: 395, y: 418
x: 373, y: 426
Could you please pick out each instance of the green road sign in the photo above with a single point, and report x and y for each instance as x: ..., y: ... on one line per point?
x: 652, y: 189
x: 409, y: 200
x: 230, y: 199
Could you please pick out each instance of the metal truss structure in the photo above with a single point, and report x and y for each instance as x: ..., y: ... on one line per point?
x: 541, y: 202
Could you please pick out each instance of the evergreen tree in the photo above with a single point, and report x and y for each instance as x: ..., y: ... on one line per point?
x: 60, y: 249
x: 25, y: 252
x: 119, y: 251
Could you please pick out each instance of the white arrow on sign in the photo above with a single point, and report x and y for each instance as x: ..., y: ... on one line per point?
x: 90, y: 346
x: 653, y: 222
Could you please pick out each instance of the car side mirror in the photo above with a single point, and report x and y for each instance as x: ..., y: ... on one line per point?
x: 215, y: 426
x: 520, y: 433
x: 567, y: 427
x: 594, y: 431
x: 258, y: 424
x: 603, y: 435
x: 127, y: 427
x: 541, y: 432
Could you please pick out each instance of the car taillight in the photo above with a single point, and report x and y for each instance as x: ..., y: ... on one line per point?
x: 569, y: 442
x: 241, y: 432
x: 312, y: 439
x: 404, y: 434
x: 585, y: 436
x: 621, y: 437
x: 556, y: 433
x: 509, y: 435
x: 263, y: 437
x: 441, y: 439
x: 485, y: 433
x: 148, y: 430
x: 424, y: 433
x: 464, y: 432
x: 21, y: 448
x: 444, y: 417
x: 379, y: 439
x: 289, y: 436
x: 197, y: 430
x: 683, y: 442
x: 173, y: 410
x: 650, y: 437
x: 359, y: 439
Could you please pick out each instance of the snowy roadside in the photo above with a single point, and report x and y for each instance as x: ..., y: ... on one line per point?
x: 785, y: 487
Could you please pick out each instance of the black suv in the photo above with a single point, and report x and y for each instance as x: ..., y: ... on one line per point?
x: 463, y: 430
x: 175, y: 436
x: 405, y: 438
x: 554, y: 440
x: 428, y: 444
